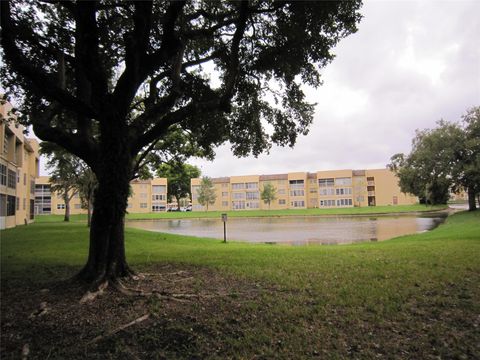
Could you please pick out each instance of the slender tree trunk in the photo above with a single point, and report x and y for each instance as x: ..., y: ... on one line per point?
x: 472, y: 206
x: 66, y: 199
x: 106, y: 258
x: 178, y: 202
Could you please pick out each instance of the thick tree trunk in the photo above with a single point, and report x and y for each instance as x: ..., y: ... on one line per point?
x: 472, y: 206
x: 106, y: 258
x: 89, y: 213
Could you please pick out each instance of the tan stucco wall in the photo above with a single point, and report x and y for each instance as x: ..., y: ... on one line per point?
x: 20, y: 155
x: 353, y: 193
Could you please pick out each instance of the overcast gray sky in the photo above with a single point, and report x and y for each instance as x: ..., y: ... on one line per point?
x: 410, y: 64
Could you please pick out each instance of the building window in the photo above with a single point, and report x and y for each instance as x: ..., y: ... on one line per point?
x: 296, y: 184
x: 327, y: 203
x: 3, y: 175
x: 5, y: 143
x: 282, y: 201
x: 313, y: 190
x: 32, y: 186
x: 11, y: 179
x: 344, y: 202
x: 343, y: 191
x: 159, y: 189
x: 297, y: 193
x: 18, y: 176
x: 25, y: 179
x: 17, y: 200
x: 300, y: 203
x: 143, y: 195
x: 327, y: 191
x: 3, y: 205
x: 343, y: 181
x: 251, y: 185
x: 236, y: 205
x: 224, y: 203
x: 238, y: 186
x: 281, y: 192
x: 143, y: 205
x: 240, y: 195
x: 78, y: 206
x: 224, y: 194
x: 159, y: 197
x: 253, y: 205
x: 60, y: 206
x: 11, y: 205
x: 253, y: 195
x: 43, y: 199
x: 327, y: 182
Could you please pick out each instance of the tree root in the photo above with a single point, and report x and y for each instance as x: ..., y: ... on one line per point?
x: 172, y: 298
x: 42, y: 310
x: 25, y: 351
x: 120, y: 328
x: 180, y: 297
x: 92, y: 295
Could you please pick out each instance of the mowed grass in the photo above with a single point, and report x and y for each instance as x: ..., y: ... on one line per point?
x: 260, y: 213
x: 416, y: 296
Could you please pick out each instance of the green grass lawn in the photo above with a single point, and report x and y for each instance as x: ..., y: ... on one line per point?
x: 416, y: 296
x: 261, y: 213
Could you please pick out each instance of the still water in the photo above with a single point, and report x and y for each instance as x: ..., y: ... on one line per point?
x: 299, y: 230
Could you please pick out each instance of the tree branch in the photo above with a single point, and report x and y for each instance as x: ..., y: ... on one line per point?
x: 88, y: 65
x: 162, y: 124
x: 40, y: 119
x: 138, y: 162
x: 170, y: 42
x: 45, y: 83
x: 136, y: 44
x: 234, y: 62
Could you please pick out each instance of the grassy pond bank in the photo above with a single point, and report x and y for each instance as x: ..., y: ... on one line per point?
x: 415, y: 296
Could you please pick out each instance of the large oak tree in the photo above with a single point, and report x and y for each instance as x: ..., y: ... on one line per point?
x: 443, y: 159
x: 107, y: 79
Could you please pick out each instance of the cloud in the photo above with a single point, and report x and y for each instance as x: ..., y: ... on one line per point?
x: 410, y: 64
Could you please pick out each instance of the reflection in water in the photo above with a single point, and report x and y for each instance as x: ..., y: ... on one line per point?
x: 299, y: 230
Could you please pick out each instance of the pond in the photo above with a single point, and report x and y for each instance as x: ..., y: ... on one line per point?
x: 299, y: 230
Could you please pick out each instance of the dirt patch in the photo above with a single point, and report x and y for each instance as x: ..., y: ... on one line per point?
x: 180, y: 320
x: 201, y: 313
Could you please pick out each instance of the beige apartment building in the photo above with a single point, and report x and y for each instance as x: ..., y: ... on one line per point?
x: 146, y: 196
x: 301, y: 190
x: 19, y: 166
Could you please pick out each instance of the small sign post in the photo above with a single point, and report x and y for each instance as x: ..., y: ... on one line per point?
x: 224, y: 219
